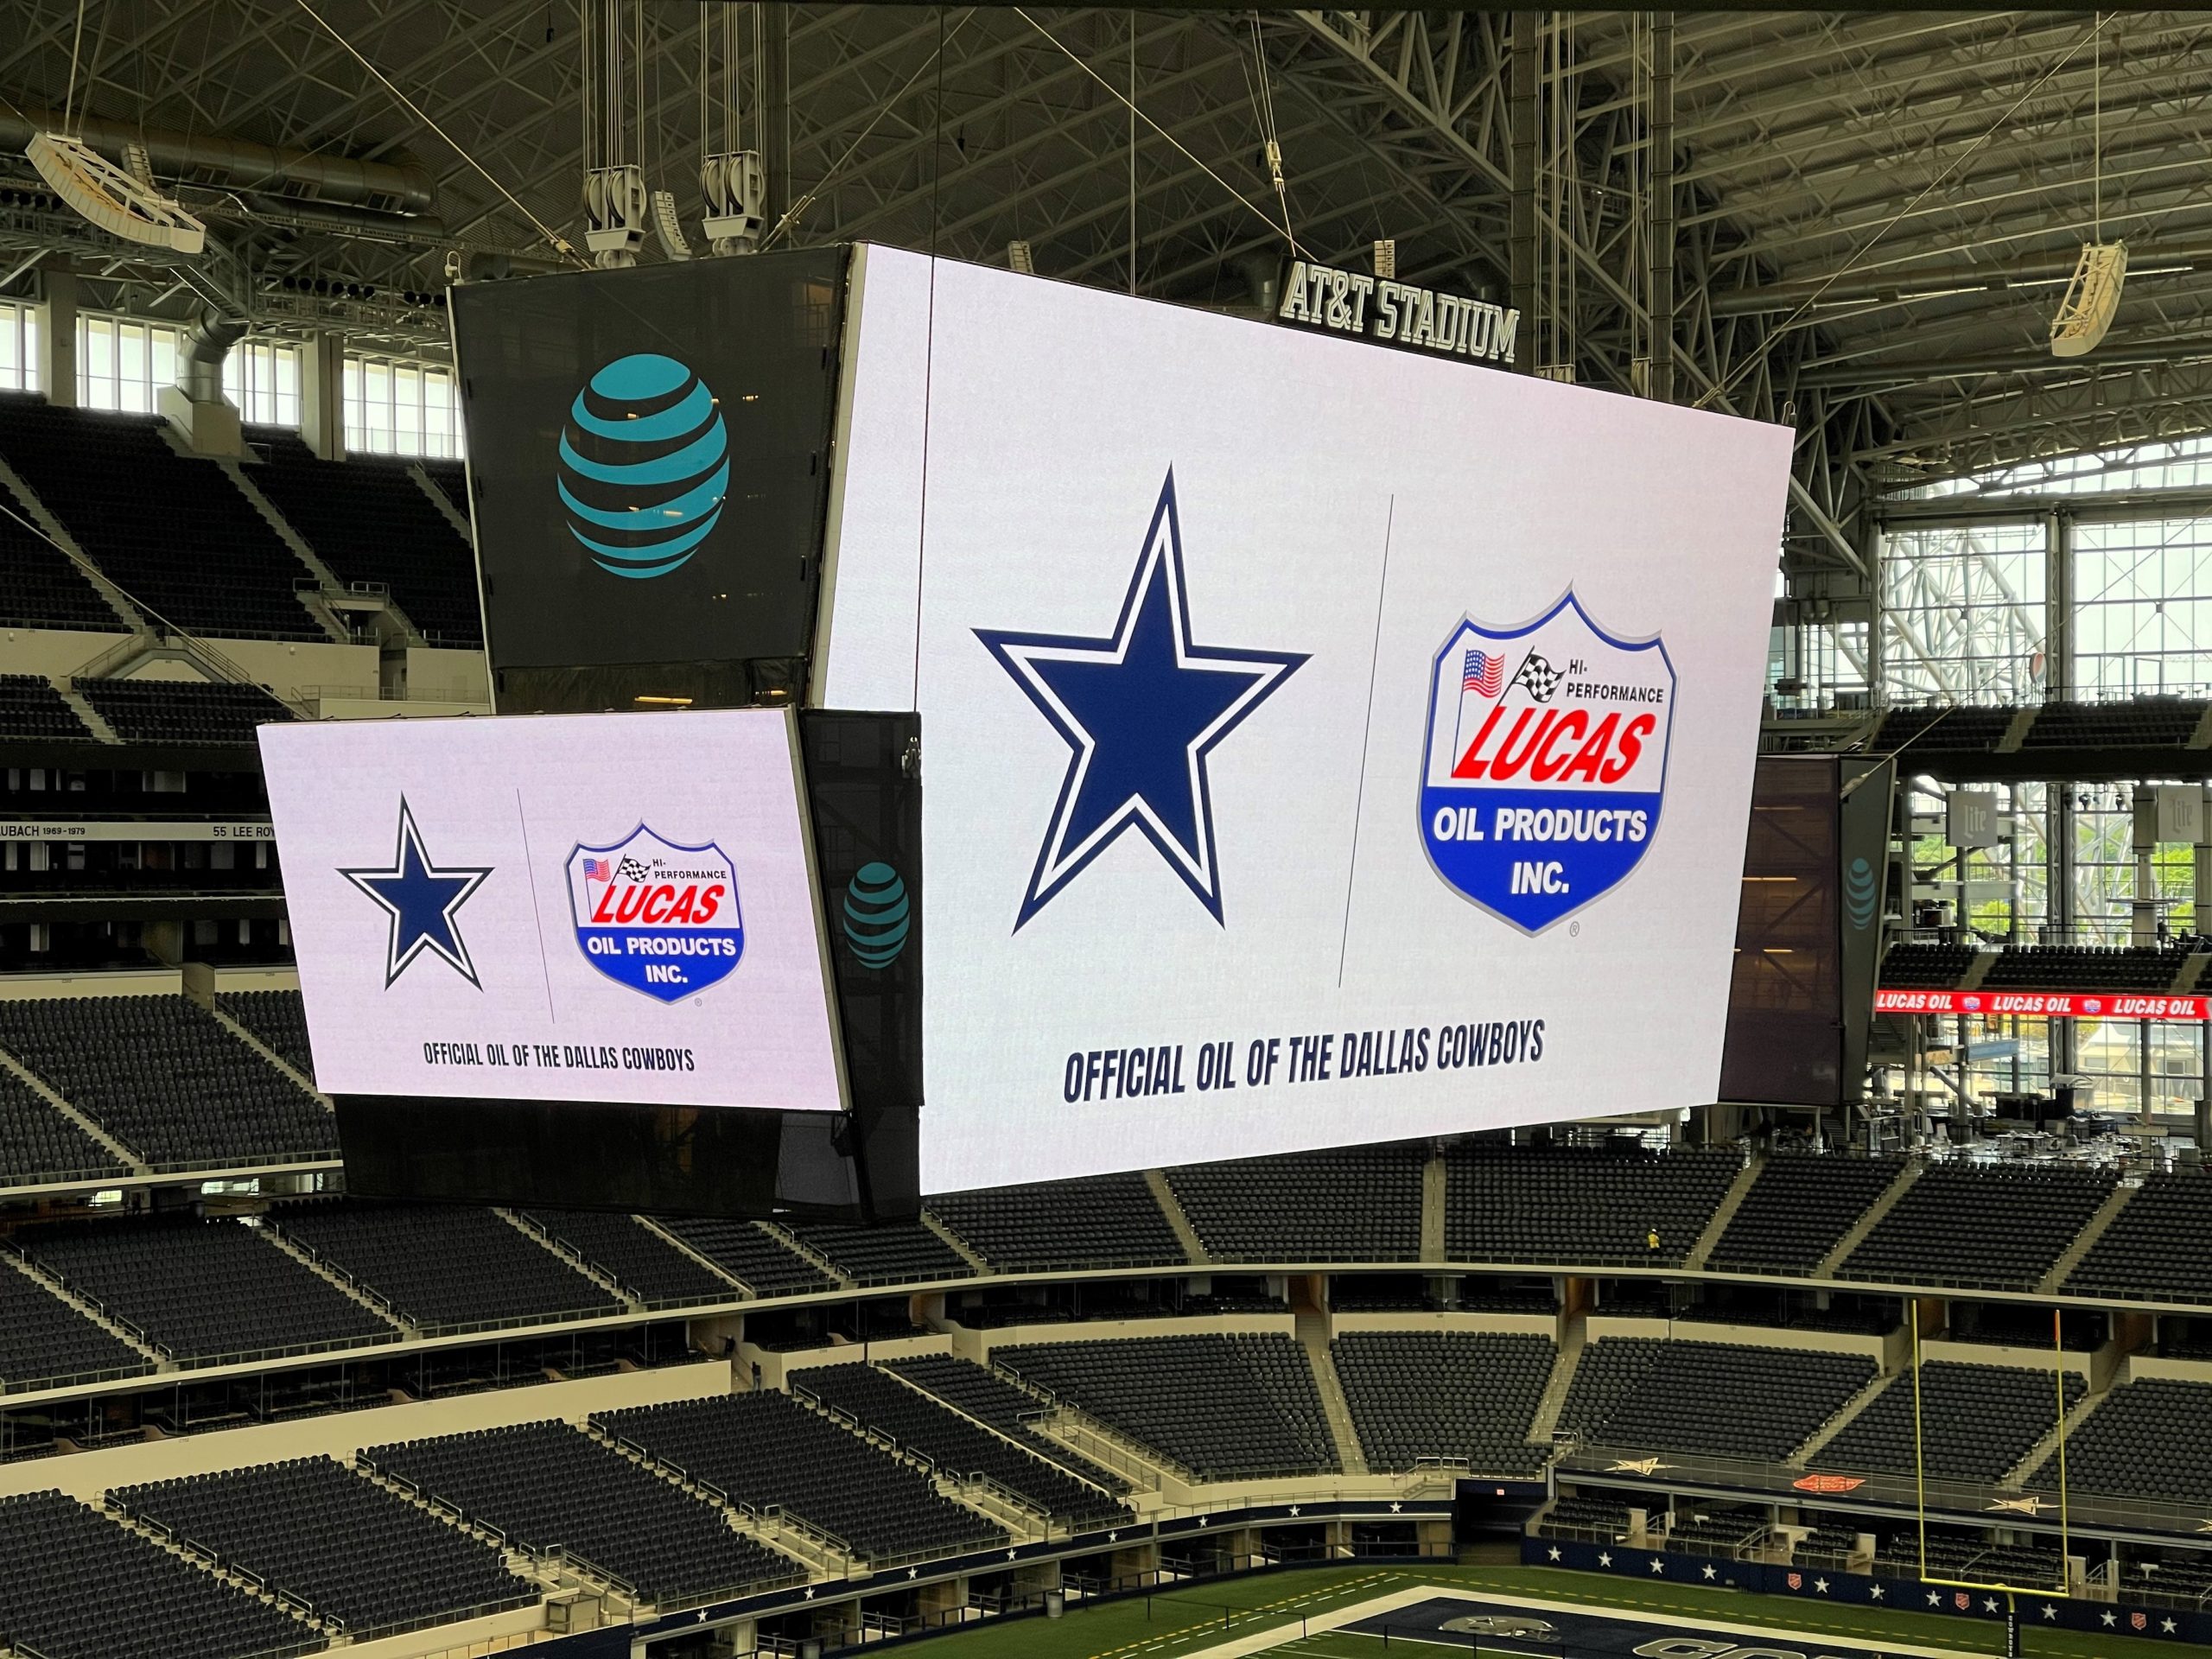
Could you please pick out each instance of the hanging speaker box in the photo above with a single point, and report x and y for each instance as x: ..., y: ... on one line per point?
x: 109, y: 197
x: 2092, y: 299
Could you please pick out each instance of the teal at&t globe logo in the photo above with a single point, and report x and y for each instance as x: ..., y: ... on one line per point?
x: 645, y: 466
x: 1862, y: 895
x: 878, y: 915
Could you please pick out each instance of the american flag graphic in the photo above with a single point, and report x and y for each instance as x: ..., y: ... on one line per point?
x: 597, y: 869
x: 1482, y: 672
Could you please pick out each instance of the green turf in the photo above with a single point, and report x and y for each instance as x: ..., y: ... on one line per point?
x: 1189, y: 1620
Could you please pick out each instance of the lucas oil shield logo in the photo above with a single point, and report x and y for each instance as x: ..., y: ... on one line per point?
x: 1546, y: 761
x: 656, y: 915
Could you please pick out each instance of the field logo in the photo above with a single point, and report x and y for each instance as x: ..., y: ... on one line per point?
x: 645, y: 466
x: 1545, y: 761
x: 656, y: 915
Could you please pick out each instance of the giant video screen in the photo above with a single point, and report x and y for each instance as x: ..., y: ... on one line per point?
x: 1326, y: 745
x: 611, y: 908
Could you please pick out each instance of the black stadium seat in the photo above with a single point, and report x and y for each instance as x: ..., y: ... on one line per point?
x: 1423, y: 1394
x: 1589, y: 1205
x: 1648, y: 1395
x: 164, y: 1077
x: 121, y: 490
x: 766, y: 1449
x: 369, y: 522
x: 1973, y: 1422
x: 45, y: 1343
x: 278, y: 1019
x: 41, y: 586
x: 546, y: 1487
x: 445, y: 1267
x: 988, y: 1398
x: 80, y: 1585
x: 879, y: 1401
x: 186, y: 713
x: 353, y: 1552
x: 1223, y: 1407
x: 1097, y: 1220
x: 1356, y: 1204
x: 30, y: 707
x: 206, y: 1290
x: 1998, y: 1226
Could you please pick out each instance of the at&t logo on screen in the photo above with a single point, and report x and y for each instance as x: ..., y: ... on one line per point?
x: 1545, y: 762
x: 656, y: 915
x: 645, y: 466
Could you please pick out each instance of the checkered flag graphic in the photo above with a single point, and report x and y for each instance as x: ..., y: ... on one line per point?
x: 635, y: 871
x: 1538, y: 677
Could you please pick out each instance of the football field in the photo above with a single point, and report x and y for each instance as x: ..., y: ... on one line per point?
x: 1424, y: 1613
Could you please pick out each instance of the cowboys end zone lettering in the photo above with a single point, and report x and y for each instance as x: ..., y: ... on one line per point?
x: 656, y: 915
x: 1545, y: 761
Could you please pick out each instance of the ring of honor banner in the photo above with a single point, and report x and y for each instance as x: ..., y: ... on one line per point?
x: 1326, y: 743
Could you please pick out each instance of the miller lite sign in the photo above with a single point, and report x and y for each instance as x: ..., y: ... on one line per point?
x: 1545, y: 761
x: 656, y: 915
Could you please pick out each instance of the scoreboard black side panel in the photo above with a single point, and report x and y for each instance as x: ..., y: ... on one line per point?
x: 864, y: 790
x: 1808, y: 932
x: 648, y: 469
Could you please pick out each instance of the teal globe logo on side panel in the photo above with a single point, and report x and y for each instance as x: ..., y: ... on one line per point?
x: 1860, y: 895
x: 645, y: 466
x: 877, y: 917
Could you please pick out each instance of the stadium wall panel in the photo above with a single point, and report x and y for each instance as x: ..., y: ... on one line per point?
x: 998, y: 1341
x: 1745, y: 1336
x: 340, y: 1434
x: 55, y: 650
x: 1902, y: 1594
x: 149, y: 981
x: 464, y: 1637
x: 1529, y: 1324
x: 777, y: 1366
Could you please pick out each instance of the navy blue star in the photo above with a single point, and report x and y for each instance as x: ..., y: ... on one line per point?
x: 1140, y: 710
x: 421, y: 900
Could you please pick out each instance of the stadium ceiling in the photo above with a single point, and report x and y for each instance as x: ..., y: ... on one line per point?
x: 1876, y: 213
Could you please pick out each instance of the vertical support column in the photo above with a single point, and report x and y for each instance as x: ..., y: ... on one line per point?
x: 2143, y: 842
x: 1871, y: 543
x: 1521, y: 223
x: 1659, y: 287
x: 2058, y: 681
x: 57, y: 338
x: 2200, y: 863
x: 323, y: 396
x: 776, y: 109
x: 2058, y: 605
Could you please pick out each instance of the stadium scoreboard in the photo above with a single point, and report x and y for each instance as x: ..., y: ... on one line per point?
x: 1327, y: 742
x: 607, y: 907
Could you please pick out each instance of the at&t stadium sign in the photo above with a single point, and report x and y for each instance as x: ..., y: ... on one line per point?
x: 1393, y: 313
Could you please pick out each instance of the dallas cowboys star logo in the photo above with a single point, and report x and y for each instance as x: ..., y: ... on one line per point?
x: 421, y: 899
x: 1141, y: 711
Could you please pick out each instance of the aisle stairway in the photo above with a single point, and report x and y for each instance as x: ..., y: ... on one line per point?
x: 1312, y: 1327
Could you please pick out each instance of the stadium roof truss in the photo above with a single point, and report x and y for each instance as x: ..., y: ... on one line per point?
x: 1874, y: 213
